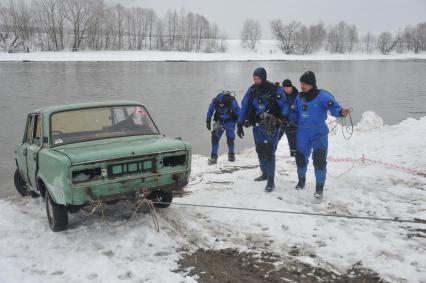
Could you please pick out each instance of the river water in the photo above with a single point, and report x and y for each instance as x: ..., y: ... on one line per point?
x: 177, y: 94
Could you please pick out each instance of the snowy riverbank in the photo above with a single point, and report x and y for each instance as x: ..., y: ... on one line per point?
x: 266, y: 50
x: 96, y: 251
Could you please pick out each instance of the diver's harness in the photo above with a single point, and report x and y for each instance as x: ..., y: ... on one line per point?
x: 226, y: 103
x: 269, y: 119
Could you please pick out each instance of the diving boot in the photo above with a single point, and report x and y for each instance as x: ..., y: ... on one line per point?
x: 301, y: 184
x: 213, y: 159
x: 270, y: 185
x: 231, y: 157
x: 262, y: 177
x: 318, y: 191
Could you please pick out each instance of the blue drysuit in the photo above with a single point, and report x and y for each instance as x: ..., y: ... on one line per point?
x: 224, y: 110
x: 290, y: 128
x: 268, y: 99
x: 312, y: 134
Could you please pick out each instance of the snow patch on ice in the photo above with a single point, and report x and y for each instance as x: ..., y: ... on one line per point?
x: 369, y: 121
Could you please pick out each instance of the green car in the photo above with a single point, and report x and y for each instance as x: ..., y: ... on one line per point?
x: 80, y: 154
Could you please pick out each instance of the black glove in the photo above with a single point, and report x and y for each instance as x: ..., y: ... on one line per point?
x: 285, y: 124
x: 240, y: 131
x: 208, y: 124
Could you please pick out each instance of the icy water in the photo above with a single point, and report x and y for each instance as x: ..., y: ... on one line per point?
x: 177, y: 94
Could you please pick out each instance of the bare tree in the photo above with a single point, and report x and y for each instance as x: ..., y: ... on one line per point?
x: 420, y: 38
x: 201, y: 26
x: 352, y: 37
x: 250, y: 33
x: 96, y: 25
x: 109, y: 28
x: 53, y: 20
x: 222, y: 42
x: 151, y: 19
x: 369, y: 42
x: 386, y: 42
x: 160, y: 35
x: 309, y: 39
x: 78, y: 15
x: 9, y: 40
x: 211, y: 38
x: 19, y: 15
x: 342, y: 38
x: 285, y: 33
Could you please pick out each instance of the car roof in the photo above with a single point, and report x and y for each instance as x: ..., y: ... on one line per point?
x: 75, y: 106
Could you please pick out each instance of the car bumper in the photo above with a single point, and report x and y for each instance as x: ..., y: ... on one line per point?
x: 126, y: 188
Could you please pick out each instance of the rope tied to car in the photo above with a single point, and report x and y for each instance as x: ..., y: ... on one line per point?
x: 334, y: 215
x: 141, y: 204
x: 98, y: 205
x: 146, y: 205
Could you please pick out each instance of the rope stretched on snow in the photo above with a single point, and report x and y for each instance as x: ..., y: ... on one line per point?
x: 396, y: 219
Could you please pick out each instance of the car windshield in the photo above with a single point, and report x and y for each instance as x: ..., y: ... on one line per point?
x: 100, y: 123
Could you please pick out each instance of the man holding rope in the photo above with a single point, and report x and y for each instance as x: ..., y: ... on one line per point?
x: 310, y: 110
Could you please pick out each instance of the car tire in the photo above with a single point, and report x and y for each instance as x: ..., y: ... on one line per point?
x: 57, y: 215
x: 165, y: 197
x: 20, y: 184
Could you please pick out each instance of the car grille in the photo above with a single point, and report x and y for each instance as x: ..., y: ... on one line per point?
x: 131, y: 167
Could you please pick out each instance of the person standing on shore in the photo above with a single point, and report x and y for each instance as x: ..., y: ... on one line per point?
x: 311, y: 109
x: 224, y: 111
x: 264, y: 107
x: 290, y: 128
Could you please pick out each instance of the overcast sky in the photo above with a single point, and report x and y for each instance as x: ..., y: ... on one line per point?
x: 367, y: 15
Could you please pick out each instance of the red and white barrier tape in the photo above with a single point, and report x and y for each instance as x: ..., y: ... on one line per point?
x: 363, y: 159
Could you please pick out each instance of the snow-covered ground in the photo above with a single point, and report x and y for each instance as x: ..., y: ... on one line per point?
x: 96, y: 250
x: 265, y: 50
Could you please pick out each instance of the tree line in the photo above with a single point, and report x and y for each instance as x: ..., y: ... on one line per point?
x: 55, y: 25
x: 297, y: 38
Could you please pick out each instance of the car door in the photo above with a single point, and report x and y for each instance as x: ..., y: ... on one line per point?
x: 21, y: 150
x: 33, y: 149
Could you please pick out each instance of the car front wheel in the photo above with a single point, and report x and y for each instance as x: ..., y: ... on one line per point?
x: 20, y: 184
x: 57, y: 215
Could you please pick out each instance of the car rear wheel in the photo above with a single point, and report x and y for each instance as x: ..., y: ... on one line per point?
x: 20, y: 184
x: 57, y: 215
x: 161, y: 199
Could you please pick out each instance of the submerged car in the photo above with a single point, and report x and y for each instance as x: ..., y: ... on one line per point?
x: 75, y: 155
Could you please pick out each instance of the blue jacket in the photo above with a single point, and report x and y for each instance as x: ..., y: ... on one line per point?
x: 314, y: 112
x: 263, y: 100
x: 224, y: 108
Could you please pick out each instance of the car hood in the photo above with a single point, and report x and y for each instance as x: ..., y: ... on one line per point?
x: 101, y: 150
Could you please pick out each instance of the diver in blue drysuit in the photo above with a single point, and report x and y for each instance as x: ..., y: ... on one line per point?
x: 310, y: 110
x: 224, y: 110
x: 290, y: 128
x: 265, y: 108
